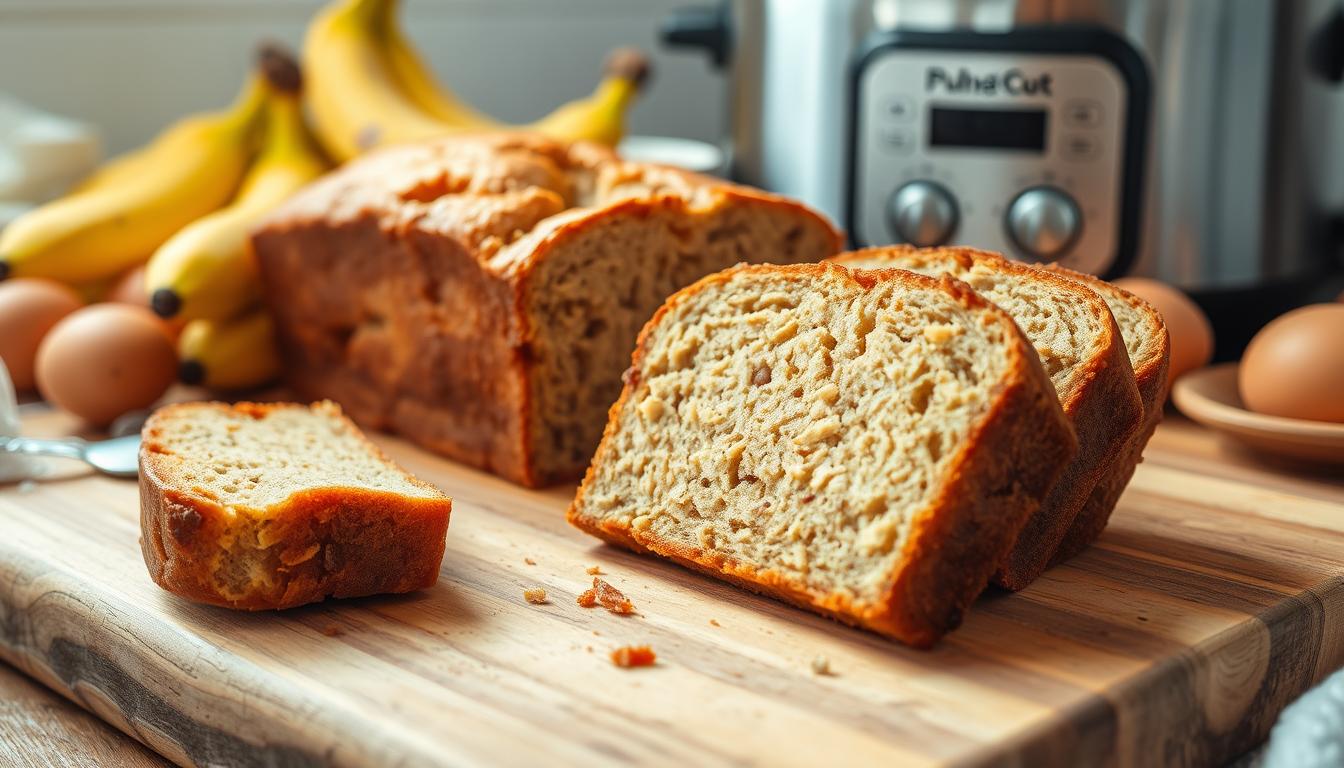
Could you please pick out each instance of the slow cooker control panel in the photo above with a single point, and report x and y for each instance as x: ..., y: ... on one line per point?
x: 1020, y: 152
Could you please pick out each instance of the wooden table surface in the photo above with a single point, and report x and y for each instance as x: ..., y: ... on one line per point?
x: 1216, y: 596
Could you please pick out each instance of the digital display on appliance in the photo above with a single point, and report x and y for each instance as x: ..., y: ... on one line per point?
x: 1021, y: 129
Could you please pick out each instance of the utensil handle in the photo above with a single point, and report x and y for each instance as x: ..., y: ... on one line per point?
x: 71, y: 448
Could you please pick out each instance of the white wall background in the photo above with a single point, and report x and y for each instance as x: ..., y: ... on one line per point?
x: 131, y: 66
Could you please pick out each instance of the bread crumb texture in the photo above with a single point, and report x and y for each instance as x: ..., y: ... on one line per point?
x: 249, y: 459
x: 634, y: 656
x: 817, y: 468
x: 1063, y: 334
x: 536, y: 596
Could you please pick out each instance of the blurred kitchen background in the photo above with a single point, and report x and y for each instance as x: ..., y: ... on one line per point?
x: 133, y: 66
x: 1229, y: 183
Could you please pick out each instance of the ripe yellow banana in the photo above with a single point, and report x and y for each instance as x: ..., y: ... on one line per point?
x: 368, y: 87
x: 355, y: 101
x: 601, y: 116
x: 229, y: 354
x: 108, y: 228
x: 416, y: 79
x: 207, y: 270
x: 128, y: 165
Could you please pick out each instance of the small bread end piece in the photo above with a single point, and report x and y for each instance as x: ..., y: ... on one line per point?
x: 269, y: 506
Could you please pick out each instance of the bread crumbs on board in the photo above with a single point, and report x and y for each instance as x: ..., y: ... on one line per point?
x: 536, y: 596
x: 594, y: 570
x: 529, y: 561
x: 821, y: 666
x: 608, y: 597
x: 634, y: 656
x: 714, y: 623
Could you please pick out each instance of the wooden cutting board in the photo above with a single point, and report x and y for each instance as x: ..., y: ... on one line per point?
x: 1216, y: 596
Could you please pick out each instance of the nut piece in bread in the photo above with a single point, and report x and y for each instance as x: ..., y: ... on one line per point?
x: 1080, y: 344
x: 263, y: 506
x: 481, y: 296
x: 866, y: 445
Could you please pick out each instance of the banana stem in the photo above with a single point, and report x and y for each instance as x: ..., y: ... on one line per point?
x: 250, y: 104
x: 613, y: 94
x: 285, y: 127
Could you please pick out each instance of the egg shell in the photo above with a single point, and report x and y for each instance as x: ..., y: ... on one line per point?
x: 1294, y: 367
x: 130, y: 288
x: 1189, y: 328
x: 105, y: 360
x: 29, y: 307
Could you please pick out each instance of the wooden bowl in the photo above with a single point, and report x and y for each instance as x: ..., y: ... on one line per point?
x: 1210, y: 397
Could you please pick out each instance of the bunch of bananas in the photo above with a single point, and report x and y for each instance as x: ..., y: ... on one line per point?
x: 186, y: 204
x: 368, y: 87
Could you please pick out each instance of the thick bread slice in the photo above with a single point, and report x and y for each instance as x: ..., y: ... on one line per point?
x: 863, y: 444
x: 260, y: 506
x: 1149, y: 349
x: 1081, y: 346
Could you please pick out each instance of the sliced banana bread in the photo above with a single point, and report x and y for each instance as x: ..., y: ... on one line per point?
x: 260, y: 506
x: 866, y: 445
x: 1149, y: 350
x: 482, y: 295
x: 1078, y: 341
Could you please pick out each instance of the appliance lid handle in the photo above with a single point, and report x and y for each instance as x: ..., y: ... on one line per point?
x: 1325, y: 48
x: 700, y: 26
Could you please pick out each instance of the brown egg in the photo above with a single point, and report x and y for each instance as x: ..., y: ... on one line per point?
x: 1189, y: 328
x: 130, y: 288
x: 105, y: 360
x: 29, y: 307
x: 1294, y: 366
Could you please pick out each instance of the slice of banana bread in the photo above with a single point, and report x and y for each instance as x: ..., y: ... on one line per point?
x: 482, y: 295
x: 1078, y: 341
x: 866, y: 445
x: 1149, y: 350
x: 260, y: 506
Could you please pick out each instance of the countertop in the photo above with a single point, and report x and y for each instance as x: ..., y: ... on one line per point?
x: 41, y: 728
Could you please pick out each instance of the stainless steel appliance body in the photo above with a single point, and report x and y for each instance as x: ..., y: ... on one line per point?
x: 1198, y: 141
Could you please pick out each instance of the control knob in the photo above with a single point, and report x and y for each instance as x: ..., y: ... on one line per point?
x: 922, y: 213
x: 1043, y: 222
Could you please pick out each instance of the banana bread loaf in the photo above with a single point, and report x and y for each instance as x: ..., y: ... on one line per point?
x: 863, y: 444
x: 482, y: 295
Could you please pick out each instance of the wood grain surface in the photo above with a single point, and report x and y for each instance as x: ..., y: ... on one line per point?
x: 1215, y: 597
x: 39, y: 729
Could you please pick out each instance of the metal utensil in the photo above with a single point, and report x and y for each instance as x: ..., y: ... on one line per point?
x: 118, y: 457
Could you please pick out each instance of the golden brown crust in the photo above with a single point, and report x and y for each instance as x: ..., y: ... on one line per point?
x: 323, y: 542
x: 400, y: 284
x: 1151, y: 376
x: 1105, y: 410
x: 997, y: 479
